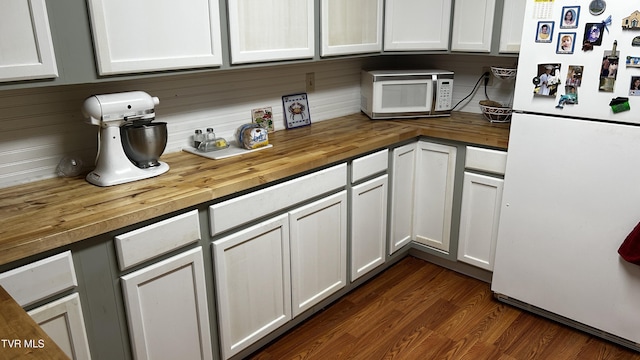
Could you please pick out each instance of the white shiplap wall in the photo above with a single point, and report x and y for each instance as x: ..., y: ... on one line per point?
x: 39, y: 126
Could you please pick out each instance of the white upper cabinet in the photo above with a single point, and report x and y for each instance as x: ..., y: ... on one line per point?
x: 511, y: 33
x: 473, y: 25
x: 152, y: 35
x: 26, y: 48
x: 417, y: 25
x: 271, y: 30
x: 351, y: 26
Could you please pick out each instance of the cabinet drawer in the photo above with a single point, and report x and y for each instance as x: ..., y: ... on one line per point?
x: 39, y: 280
x: 240, y: 210
x: 156, y: 239
x: 493, y: 161
x: 368, y: 165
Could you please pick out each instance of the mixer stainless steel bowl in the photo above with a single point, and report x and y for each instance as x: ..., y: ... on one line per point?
x: 143, y: 143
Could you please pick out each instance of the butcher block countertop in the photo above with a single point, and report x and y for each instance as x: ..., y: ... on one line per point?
x: 48, y: 214
x: 21, y: 337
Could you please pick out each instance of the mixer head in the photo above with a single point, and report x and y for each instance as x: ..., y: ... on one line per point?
x: 115, y: 109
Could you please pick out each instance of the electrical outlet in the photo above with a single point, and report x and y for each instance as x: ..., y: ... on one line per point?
x: 311, y: 82
x: 487, y: 69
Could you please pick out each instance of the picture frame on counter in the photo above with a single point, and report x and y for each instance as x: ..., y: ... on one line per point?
x: 296, y: 110
x: 263, y: 117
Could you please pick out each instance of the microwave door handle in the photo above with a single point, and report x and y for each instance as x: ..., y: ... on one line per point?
x: 434, y: 93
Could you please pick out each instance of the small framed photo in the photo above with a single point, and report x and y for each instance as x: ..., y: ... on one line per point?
x: 296, y: 110
x: 574, y: 75
x: 263, y: 117
x: 634, y: 89
x: 544, y: 34
x: 593, y: 33
x: 570, y: 15
x: 566, y: 43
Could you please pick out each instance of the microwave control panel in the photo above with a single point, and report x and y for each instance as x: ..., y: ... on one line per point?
x: 444, y: 95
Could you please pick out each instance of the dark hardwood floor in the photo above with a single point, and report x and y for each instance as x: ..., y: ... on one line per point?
x: 417, y: 310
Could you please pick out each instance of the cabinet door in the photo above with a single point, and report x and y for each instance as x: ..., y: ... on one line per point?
x: 512, y: 19
x: 26, y: 49
x: 271, y: 30
x: 417, y: 25
x: 152, y: 35
x: 318, y: 250
x: 167, y: 309
x: 351, y: 26
x: 253, y: 283
x: 368, y: 225
x: 435, y: 172
x: 62, y: 320
x: 472, y: 25
x: 41, y: 279
x: 402, y: 196
x: 481, y: 198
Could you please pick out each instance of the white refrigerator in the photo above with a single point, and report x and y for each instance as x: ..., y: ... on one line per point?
x: 572, y: 181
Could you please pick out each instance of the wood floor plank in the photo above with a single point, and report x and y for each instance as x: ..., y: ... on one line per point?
x: 418, y: 310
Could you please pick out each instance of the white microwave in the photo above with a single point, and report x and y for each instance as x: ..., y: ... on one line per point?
x: 389, y: 94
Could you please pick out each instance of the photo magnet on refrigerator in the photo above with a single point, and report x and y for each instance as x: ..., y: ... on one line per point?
x: 546, y: 84
x: 609, y: 69
x: 570, y: 15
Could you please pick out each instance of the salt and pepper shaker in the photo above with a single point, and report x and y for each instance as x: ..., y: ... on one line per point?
x: 210, y: 134
x: 198, y: 138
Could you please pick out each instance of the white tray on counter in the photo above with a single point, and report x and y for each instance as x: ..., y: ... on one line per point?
x: 232, y: 150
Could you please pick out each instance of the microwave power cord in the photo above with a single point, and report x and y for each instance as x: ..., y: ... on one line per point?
x: 485, y: 76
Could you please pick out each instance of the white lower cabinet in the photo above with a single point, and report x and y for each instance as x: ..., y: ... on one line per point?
x: 481, y: 204
x: 318, y: 251
x: 167, y: 309
x: 368, y: 225
x: 253, y: 283
x: 403, y: 167
x: 433, y: 210
x: 422, y: 189
x: 270, y: 272
x: 62, y: 320
x: 479, y: 217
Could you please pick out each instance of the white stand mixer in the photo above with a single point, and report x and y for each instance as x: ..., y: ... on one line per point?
x: 110, y: 112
